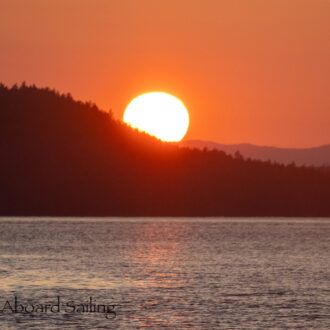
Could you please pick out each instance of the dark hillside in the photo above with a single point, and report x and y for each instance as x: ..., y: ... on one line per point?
x: 62, y: 157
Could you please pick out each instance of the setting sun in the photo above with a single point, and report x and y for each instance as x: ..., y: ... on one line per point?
x: 159, y: 114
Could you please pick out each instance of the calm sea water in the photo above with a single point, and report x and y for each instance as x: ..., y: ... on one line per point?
x: 177, y: 273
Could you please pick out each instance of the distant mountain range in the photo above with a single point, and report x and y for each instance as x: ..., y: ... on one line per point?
x: 316, y: 156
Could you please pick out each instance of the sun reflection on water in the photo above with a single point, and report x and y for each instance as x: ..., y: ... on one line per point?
x: 156, y: 256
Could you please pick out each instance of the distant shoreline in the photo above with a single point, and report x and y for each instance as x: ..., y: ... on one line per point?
x: 169, y: 219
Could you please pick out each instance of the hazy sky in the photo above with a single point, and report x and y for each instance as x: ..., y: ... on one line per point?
x: 253, y: 71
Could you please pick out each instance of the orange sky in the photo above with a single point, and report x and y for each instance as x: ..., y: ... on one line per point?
x: 253, y: 71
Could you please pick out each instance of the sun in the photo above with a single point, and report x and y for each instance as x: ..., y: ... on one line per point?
x: 159, y: 114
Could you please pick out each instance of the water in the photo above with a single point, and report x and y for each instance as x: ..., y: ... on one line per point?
x: 176, y: 273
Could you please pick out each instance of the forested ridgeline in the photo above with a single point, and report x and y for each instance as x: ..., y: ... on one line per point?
x: 62, y: 157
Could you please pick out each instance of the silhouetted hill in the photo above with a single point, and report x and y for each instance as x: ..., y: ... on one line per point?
x: 61, y: 157
x: 317, y: 156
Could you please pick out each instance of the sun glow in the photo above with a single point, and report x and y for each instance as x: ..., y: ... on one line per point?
x: 159, y: 114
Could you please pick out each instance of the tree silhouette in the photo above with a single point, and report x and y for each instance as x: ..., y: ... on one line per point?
x: 65, y: 157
